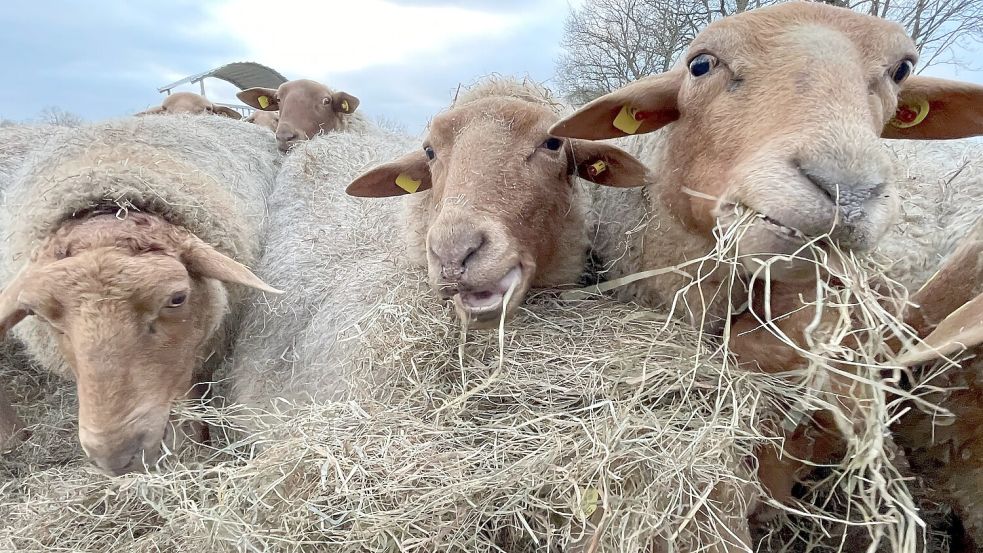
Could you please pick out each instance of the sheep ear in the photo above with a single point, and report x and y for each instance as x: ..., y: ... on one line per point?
x: 206, y: 261
x: 260, y: 98
x: 227, y: 112
x: 343, y: 102
x: 152, y: 111
x: 607, y: 165
x: 12, y: 311
x: 962, y: 329
x: 641, y: 107
x: 406, y: 175
x: 937, y: 109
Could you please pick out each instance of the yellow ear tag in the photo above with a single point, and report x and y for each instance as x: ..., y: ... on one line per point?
x: 597, y: 168
x: 910, y: 114
x: 264, y: 101
x: 344, y: 106
x: 625, y: 121
x: 406, y: 183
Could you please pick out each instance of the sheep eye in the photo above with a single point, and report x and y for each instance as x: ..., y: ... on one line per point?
x: 553, y: 143
x: 431, y: 155
x: 177, y: 299
x: 702, y: 64
x: 902, y: 71
x: 325, y: 101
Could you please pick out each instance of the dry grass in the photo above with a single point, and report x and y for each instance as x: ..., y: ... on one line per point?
x: 582, y: 425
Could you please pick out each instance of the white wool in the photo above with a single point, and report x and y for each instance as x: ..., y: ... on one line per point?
x: 210, y: 175
x: 17, y: 143
x: 941, y: 200
x: 323, y: 249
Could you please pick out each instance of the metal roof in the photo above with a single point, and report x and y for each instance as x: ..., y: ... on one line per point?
x: 243, y: 74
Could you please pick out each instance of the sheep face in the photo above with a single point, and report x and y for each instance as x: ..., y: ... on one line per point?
x: 780, y: 110
x: 501, y: 201
x: 266, y: 119
x: 306, y: 108
x: 192, y: 104
x: 132, y: 305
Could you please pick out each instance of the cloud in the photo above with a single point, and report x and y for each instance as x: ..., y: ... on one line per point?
x: 317, y: 39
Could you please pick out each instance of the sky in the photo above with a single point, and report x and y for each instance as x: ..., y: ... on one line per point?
x: 403, y: 58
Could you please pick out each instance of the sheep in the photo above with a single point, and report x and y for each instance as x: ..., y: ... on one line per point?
x: 503, y: 215
x: 324, y: 246
x: 265, y: 119
x: 784, y: 126
x: 346, y: 253
x: 18, y: 142
x: 949, y: 317
x: 190, y: 103
x: 121, y: 238
x: 544, y: 194
x: 307, y: 108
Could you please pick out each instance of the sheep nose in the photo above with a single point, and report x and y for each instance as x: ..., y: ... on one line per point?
x: 454, y: 253
x: 115, y: 457
x: 285, y: 137
x: 851, y: 196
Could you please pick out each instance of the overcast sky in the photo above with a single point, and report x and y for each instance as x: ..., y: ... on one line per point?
x: 402, y: 58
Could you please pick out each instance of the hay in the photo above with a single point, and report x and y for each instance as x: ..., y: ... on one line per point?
x: 591, y: 399
x: 603, y: 427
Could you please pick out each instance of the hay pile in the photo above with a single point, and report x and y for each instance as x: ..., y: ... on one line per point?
x: 597, y: 414
x: 584, y: 425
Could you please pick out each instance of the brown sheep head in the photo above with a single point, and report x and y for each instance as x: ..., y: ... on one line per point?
x: 190, y: 103
x: 307, y: 108
x: 501, y: 195
x: 265, y: 119
x: 781, y: 110
x: 132, y: 304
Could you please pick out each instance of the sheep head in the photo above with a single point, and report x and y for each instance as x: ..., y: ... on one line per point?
x: 306, y: 108
x: 190, y: 103
x: 780, y: 110
x: 500, y: 213
x: 132, y: 305
x: 265, y: 119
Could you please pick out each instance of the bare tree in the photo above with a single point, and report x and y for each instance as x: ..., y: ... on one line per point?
x: 610, y: 43
x: 936, y: 26
x: 57, y: 116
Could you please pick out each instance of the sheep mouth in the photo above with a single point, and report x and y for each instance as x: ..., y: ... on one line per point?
x: 781, y: 230
x: 483, y: 307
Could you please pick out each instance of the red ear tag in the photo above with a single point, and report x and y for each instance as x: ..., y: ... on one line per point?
x: 910, y: 113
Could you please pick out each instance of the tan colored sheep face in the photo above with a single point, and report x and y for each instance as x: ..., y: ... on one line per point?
x: 780, y: 110
x: 267, y: 119
x: 190, y: 103
x: 500, y: 212
x: 306, y: 107
x: 133, y: 304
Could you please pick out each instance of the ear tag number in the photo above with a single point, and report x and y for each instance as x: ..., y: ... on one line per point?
x: 597, y: 168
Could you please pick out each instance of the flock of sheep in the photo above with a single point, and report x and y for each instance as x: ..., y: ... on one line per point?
x: 724, y: 207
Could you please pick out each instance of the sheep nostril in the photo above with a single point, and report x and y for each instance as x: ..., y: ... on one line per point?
x: 830, y: 190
